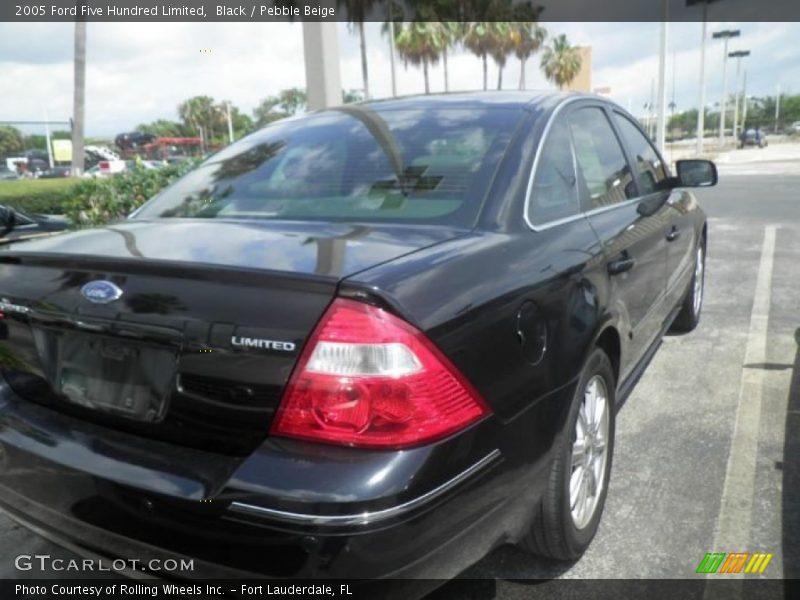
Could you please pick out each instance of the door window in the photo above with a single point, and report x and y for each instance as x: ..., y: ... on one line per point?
x: 600, y: 160
x: 554, y: 194
x: 647, y: 163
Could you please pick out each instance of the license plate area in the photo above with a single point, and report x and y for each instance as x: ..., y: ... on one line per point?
x: 118, y: 377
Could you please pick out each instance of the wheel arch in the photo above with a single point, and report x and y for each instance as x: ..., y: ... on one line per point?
x: 610, y: 342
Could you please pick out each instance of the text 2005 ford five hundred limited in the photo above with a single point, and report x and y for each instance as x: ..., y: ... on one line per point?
x: 373, y: 341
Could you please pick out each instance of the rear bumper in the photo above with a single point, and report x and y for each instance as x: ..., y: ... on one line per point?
x: 120, y: 496
x: 83, y: 515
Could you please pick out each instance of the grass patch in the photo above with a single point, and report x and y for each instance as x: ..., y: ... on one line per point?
x: 36, y: 195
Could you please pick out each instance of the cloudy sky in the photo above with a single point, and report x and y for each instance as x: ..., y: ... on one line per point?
x: 139, y: 72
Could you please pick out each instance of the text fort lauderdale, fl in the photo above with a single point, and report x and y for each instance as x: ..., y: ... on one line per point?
x: 167, y: 10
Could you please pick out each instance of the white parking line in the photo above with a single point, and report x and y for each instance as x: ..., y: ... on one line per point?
x: 732, y: 533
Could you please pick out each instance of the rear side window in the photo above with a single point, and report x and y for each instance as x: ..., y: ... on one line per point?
x: 601, y: 162
x: 646, y: 161
x: 356, y: 163
x: 554, y: 194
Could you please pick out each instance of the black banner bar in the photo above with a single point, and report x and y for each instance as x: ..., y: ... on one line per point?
x: 464, y: 589
x: 407, y: 10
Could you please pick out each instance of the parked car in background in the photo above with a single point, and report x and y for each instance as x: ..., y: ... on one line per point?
x: 7, y: 174
x: 93, y: 172
x: 99, y: 153
x: 133, y: 139
x: 752, y: 137
x: 106, y: 168
x: 376, y: 340
x: 56, y: 172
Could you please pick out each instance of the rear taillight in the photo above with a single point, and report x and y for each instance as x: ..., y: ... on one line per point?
x: 367, y: 378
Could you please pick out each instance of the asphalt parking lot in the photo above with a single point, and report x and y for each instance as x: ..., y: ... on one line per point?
x: 683, y: 483
x: 708, y: 444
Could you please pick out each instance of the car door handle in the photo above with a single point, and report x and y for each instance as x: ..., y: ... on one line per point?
x: 673, y: 234
x: 615, y: 267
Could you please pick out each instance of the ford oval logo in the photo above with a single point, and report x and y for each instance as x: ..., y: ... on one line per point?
x: 101, y: 292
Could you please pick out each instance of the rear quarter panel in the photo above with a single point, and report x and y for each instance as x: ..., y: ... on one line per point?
x: 486, y: 299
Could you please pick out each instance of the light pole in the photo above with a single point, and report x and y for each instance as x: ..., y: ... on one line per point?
x: 323, y: 75
x: 744, y: 100
x: 47, y: 139
x: 391, y: 55
x: 230, y: 121
x: 725, y: 35
x: 79, y: 100
x: 738, y: 55
x: 701, y: 107
x: 661, y: 119
x: 777, y: 106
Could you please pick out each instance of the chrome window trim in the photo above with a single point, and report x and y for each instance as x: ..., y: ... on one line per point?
x: 536, y: 158
x: 365, y: 517
x: 618, y: 112
x: 581, y: 214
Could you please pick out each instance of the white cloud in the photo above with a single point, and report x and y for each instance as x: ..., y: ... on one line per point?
x: 139, y: 72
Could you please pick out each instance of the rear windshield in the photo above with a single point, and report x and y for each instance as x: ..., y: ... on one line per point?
x: 351, y: 164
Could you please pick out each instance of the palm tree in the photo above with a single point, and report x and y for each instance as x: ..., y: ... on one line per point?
x: 452, y: 34
x: 527, y: 38
x: 479, y: 38
x: 420, y: 43
x: 79, y: 98
x: 357, y: 12
x: 502, y: 46
x: 430, y: 12
x: 561, y: 62
x: 292, y: 100
x: 200, y: 115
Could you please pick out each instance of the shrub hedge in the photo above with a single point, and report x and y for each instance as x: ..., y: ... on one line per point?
x: 90, y: 202
x: 36, y: 195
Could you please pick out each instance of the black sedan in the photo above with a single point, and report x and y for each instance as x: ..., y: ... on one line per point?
x: 376, y: 340
x: 56, y: 173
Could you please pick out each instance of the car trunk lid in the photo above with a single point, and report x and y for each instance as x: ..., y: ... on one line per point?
x: 209, y: 324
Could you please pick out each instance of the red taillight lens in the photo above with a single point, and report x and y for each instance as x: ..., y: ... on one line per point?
x: 367, y: 378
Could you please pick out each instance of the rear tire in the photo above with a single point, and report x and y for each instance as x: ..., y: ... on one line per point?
x: 579, y: 476
x: 689, y: 316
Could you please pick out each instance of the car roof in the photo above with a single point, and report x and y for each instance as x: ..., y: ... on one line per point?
x: 542, y: 99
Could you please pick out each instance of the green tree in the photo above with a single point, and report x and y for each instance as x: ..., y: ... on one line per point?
x: 292, y: 100
x: 285, y: 104
x: 501, y: 47
x: 452, y: 34
x: 266, y: 112
x: 526, y: 38
x: 479, y: 39
x: 349, y: 96
x: 561, y: 62
x: 11, y: 141
x: 201, y: 116
x: 420, y: 43
x: 166, y: 128
x: 37, y: 141
x: 242, y: 123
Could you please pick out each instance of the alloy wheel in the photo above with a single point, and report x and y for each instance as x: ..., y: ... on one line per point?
x: 589, y: 454
x: 699, y: 274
